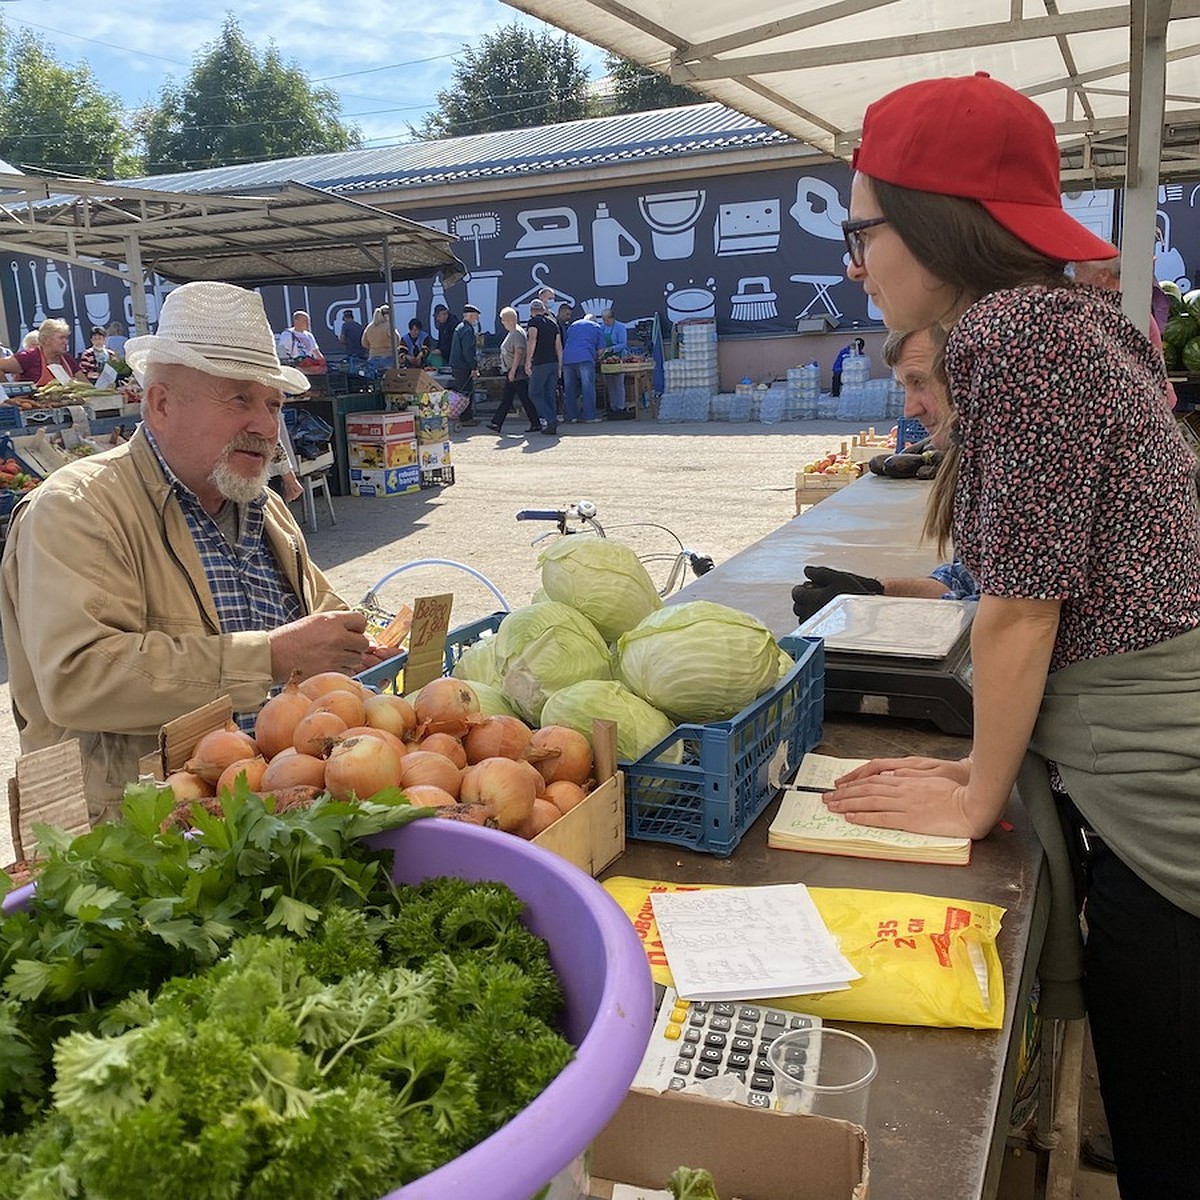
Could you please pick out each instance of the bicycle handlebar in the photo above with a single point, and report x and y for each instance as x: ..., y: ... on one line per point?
x: 540, y: 514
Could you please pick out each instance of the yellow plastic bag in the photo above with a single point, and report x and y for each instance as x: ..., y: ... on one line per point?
x: 925, y: 960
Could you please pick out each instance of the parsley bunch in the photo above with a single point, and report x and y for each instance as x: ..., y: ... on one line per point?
x: 257, y: 1011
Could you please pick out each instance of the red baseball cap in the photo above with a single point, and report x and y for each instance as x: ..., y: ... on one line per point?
x: 975, y: 137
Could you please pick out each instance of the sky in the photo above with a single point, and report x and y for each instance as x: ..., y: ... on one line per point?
x: 384, y: 60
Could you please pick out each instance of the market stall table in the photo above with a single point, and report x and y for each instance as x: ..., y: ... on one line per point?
x: 639, y: 381
x: 940, y: 1105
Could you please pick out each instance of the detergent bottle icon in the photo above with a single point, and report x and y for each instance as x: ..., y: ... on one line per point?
x: 613, y: 249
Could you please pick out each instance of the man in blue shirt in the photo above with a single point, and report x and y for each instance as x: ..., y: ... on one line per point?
x: 581, y: 349
x: 350, y: 335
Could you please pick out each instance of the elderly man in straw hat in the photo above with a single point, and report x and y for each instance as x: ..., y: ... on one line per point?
x: 145, y: 581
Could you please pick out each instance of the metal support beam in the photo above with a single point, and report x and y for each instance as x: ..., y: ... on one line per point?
x: 1147, y: 85
x: 137, y: 285
x: 387, y: 291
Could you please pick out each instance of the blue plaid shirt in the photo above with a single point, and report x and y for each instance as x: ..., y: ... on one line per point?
x: 248, y: 588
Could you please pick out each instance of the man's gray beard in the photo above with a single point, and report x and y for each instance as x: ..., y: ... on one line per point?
x: 239, y: 488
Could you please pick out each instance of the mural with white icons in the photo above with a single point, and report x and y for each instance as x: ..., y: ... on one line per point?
x: 757, y: 252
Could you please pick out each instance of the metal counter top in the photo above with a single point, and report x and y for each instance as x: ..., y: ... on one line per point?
x: 940, y: 1104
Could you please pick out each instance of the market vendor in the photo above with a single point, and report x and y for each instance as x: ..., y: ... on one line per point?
x: 48, y: 361
x: 616, y: 346
x: 143, y: 582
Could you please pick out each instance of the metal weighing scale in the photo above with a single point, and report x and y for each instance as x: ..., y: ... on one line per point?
x: 898, y: 657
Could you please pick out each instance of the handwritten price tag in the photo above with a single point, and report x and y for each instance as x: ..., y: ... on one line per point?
x: 427, y: 641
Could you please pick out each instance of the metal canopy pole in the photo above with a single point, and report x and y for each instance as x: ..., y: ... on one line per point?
x: 387, y: 283
x: 137, y: 284
x: 1147, y: 91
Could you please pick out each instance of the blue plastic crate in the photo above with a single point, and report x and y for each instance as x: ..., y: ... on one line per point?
x: 909, y: 432
x: 709, y: 800
x: 10, y: 416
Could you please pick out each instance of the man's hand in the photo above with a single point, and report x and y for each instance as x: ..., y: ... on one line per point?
x: 322, y: 642
x: 824, y: 583
x: 292, y: 487
x: 376, y: 653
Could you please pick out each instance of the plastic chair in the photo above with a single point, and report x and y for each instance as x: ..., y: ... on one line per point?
x: 313, y: 481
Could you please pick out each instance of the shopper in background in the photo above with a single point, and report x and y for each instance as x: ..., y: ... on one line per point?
x: 516, y: 381
x: 298, y: 343
x: 543, y: 364
x: 380, y: 341
x: 444, y: 324
x: 48, y: 362
x: 414, y: 345
x: 581, y: 352
x: 1074, y: 490
x: 855, y: 347
x: 616, y: 343
x: 96, y: 357
x: 351, y: 335
x: 143, y: 582
x: 464, y: 361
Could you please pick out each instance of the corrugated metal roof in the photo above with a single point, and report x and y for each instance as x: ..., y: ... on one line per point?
x: 571, y: 145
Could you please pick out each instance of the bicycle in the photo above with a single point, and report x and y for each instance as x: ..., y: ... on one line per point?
x: 583, y: 513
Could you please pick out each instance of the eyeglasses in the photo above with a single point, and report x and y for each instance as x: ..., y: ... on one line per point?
x: 855, y: 242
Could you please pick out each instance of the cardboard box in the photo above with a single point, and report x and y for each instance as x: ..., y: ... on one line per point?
x: 408, y: 380
x: 433, y: 432
x: 812, y: 488
x: 434, y: 405
x: 753, y: 1153
x: 380, y: 426
x: 46, y: 789
x: 434, y: 455
x: 375, y: 456
x: 394, y: 481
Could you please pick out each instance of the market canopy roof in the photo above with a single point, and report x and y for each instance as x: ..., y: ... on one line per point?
x: 280, y: 235
x: 810, y: 67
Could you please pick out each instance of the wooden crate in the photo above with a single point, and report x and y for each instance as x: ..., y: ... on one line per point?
x: 812, y: 488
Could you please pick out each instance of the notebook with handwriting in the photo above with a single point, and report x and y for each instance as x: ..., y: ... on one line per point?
x: 804, y: 823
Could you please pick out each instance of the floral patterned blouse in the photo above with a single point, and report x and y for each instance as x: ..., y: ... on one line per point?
x: 1074, y: 483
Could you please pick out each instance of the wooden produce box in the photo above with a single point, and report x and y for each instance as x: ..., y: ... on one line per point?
x: 812, y: 488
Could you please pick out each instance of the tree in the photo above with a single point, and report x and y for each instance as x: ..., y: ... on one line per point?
x: 513, y: 79
x: 56, y: 118
x: 638, y: 89
x: 238, y: 107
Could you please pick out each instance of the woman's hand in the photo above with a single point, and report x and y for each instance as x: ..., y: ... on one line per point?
x: 919, y: 802
x: 958, y: 770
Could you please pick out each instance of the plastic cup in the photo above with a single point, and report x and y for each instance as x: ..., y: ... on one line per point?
x: 823, y: 1071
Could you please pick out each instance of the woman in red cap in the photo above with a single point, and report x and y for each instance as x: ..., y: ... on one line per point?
x: 1075, y: 509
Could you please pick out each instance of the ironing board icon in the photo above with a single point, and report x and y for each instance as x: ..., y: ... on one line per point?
x: 821, y: 285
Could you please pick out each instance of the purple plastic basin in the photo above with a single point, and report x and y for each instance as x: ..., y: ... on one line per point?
x: 608, y: 1016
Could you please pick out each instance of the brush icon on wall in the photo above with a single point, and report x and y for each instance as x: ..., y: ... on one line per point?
x: 753, y: 301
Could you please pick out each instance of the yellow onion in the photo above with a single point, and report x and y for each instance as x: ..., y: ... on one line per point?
x: 392, y: 713
x: 508, y: 789
x: 216, y: 750
x: 565, y: 795
x: 425, y: 795
x: 423, y: 766
x: 277, y: 719
x: 370, y: 731
x: 361, y: 767
x: 316, y: 686
x: 252, y: 768
x: 541, y: 817
x: 497, y: 737
x: 444, y: 744
x: 187, y: 786
x: 293, y: 769
x: 316, y: 732
x: 446, y: 706
x: 570, y: 756
x: 346, y: 705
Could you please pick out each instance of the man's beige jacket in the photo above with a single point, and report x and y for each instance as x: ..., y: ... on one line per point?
x: 108, y: 620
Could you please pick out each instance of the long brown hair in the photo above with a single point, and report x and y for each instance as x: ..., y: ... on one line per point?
x: 959, y: 242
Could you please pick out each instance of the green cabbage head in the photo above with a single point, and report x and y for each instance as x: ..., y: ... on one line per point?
x: 699, y: 661
x: 604, y: 580
x: 492, y: 701
x: 477, y: 663
x: 544, y: 647
x: 640, y: 726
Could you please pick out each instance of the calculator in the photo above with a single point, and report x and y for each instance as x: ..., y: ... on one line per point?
x: 698, y: 1039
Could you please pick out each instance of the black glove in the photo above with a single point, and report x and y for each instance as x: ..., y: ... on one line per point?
x: 824, y: 583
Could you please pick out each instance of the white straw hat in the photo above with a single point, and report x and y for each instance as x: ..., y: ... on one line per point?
x: 217, y: 328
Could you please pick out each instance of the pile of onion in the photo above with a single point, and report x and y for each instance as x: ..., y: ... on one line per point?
x: 329, y: 733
